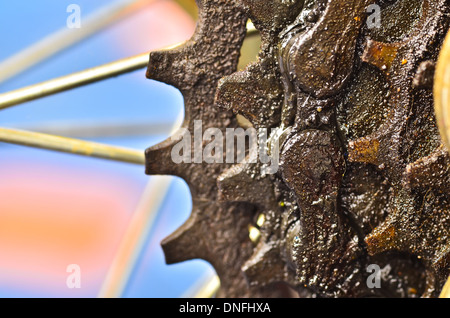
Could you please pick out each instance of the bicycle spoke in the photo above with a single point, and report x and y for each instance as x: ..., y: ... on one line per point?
x: 71, y: 81
x: 133, y: 241
x: 73, y: 146
x: 134, y: 238
x: 83, y: 78
x: 66, y: 37
x: 206, y: 287
x: 210, y: 288
x: 156, y: 190
x: 92, y: 129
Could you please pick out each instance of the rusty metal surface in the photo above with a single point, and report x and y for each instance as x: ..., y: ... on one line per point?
x: 364, y: 178
x: 216, y: 231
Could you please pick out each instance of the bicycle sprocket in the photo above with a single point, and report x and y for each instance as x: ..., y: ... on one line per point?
x: 364, y: 178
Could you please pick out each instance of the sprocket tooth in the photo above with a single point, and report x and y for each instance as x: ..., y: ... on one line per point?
x: 168, y: 66
x: 159, y: 158
x: 177, y: 246
x: 432, y: 171
x: 364, y: 150
x: 429, y: 225
x: 266, y: 267
x: 244, y: 183
x: 379, y: 54
x: 215, y: 231
x: 272, y: 15
x: 252, y: 93
x: 235, y: 185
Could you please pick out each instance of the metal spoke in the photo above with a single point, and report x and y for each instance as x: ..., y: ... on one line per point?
x: 134, y: 238
x: 66, y: 37
x: 93, y: 129
x: 205, y: 287
x: 82, y: 78
x: 65, y: 83
x: 209, y: 289
x: 133, y: 241
x: 154, y: 194
x: 73, y: 146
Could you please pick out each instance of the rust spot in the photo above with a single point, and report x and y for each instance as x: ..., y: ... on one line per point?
x: 381, y: 240
x: 364, y: 150
x: 380, y: 54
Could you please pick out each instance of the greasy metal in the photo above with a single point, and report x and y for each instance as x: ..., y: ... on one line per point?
x: 363, y: 176
x: 195, y: 68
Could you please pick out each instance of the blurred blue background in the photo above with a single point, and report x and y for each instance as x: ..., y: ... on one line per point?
x: 130, y: 101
